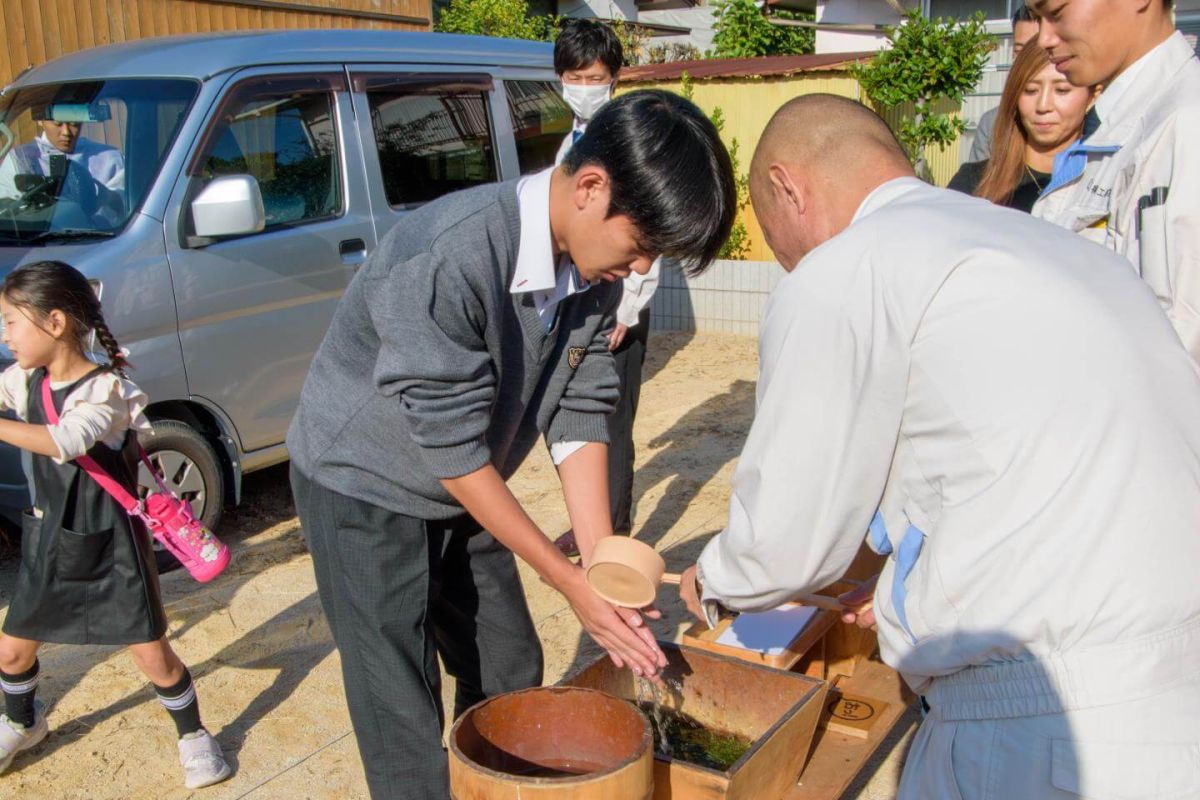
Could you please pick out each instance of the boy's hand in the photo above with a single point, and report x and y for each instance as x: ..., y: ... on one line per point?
x: 617, y: 336
x: 620, y: 631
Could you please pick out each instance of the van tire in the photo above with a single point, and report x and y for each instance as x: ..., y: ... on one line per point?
x: 193, y: 466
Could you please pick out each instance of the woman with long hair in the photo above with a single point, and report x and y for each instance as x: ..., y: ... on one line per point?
x: 1040, y: 115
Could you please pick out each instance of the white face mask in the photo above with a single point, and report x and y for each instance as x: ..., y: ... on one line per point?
x: 585, y: 101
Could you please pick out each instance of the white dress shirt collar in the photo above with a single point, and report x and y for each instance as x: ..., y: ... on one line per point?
x: 537, y: 265
x: 550, y: 278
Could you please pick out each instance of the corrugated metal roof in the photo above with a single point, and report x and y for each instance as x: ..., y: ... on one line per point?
x: 740, y: 67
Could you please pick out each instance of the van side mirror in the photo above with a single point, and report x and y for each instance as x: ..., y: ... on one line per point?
x: 231, y: 205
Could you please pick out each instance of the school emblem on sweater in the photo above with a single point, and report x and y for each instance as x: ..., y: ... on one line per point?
x: 575, y: 356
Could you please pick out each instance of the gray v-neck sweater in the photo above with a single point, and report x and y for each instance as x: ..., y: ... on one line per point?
x: 431, y: 368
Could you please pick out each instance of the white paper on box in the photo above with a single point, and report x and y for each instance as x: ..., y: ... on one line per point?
x: 768, y: 632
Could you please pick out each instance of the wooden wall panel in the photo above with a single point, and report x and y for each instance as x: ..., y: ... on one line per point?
x: 36, y: 31
x: 35, y: 41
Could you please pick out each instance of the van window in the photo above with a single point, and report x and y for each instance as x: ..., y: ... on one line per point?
x: 77, y: 159
x: 541, y: 120
x: 286, y: 139
x: 434, y: 136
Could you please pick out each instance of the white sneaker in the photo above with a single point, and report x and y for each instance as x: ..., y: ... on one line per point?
x: 14, y: 738
x: 202, y: 760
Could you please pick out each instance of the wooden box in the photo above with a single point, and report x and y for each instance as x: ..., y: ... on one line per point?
x: 777, y: 710
x: 701, y: 636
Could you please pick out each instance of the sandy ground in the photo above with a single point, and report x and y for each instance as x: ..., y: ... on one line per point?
x: 257, y: 643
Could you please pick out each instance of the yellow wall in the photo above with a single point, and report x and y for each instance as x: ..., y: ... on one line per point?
x: 748, y: 103
x: 942, y: 163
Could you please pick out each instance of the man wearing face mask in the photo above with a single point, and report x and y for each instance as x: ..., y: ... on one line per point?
x: 588, y: 58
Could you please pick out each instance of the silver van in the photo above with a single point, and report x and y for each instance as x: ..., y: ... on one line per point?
x: 221, y: 190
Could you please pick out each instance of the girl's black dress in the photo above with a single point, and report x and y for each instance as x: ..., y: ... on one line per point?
x: 87, y: 573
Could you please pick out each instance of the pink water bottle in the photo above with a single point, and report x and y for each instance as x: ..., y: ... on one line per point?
x: 170, y: 521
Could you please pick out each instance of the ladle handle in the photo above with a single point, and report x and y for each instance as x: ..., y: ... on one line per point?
x: 816, y: 600
x: 822, y: 601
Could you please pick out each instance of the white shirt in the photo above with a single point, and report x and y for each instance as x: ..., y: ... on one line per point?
x: 638, y: 289
x: 104, y: 163
x: 577, y: 127
x: 1150, y: 117
x: 1008, y: 391
x: 550, y: 278
x: 101, y: 409
x: 636, y: 293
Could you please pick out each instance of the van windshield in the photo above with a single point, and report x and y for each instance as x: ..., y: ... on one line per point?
x: 77, y: 159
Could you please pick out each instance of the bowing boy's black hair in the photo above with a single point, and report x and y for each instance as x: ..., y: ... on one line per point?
x: 583, y: 42
x: 669, y: 173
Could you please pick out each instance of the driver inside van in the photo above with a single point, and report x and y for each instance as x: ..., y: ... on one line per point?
x: 60, y: 164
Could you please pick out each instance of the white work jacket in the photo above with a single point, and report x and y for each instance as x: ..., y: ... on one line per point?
x: 1004, y: 407
x: 1105, y: 186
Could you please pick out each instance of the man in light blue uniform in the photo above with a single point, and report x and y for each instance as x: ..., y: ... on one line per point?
x: 92, y: 174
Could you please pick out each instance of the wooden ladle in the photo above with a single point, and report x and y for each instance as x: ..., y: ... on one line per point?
x: 627, y: 573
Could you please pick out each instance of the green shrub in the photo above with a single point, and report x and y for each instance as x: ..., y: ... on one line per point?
x: 929, y: 62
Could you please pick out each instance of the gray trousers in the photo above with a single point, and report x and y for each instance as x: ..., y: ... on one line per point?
x: 628, y: 360
x: 397, y: 592
x: 1141, y: 750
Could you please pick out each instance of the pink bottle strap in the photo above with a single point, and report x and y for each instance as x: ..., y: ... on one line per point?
x: 118, y: 492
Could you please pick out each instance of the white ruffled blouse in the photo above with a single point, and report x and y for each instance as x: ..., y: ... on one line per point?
x: 101, y: 409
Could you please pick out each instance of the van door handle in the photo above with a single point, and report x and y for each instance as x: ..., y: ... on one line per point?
x: 352, y: 251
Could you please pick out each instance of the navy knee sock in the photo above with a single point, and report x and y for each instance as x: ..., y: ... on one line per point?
x: 19, y: 691
x: 181, y: 703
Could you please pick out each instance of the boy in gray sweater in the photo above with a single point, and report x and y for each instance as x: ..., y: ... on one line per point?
x: 479, y: 324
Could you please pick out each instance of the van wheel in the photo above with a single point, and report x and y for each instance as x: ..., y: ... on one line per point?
x: 190, y: 468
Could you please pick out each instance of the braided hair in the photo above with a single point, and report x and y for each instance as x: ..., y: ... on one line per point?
x: 44, y: 286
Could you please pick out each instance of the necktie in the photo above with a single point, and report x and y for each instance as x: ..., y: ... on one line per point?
x: 576, y: 135
x: 1091, y: 123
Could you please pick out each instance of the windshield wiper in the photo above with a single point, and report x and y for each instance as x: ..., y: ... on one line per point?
x: 69, y: 234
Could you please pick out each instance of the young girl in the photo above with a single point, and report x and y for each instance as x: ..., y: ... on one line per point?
x: 87, y: 571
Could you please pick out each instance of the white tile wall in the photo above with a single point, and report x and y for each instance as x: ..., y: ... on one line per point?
x: 729, y: 297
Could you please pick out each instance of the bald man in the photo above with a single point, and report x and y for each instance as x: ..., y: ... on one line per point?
x: 1002, y: 408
